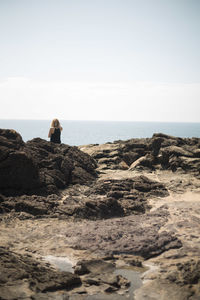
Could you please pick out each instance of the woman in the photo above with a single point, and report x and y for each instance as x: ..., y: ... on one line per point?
x: 55, y: 131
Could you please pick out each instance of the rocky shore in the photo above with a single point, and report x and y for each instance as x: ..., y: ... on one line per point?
x: 127, y: 205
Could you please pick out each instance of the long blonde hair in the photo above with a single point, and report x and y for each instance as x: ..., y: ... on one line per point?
x: 55, y: 123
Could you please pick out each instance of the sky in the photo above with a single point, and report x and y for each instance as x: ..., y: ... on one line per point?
x: 126, y: 60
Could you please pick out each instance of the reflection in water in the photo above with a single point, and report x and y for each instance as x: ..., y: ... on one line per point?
x: 65, y: 264
x: 135, y: 280
x: 133, y: 277
x: 62, y: 263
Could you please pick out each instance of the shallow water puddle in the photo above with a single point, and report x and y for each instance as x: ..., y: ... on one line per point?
x: 135, y: 282
x: 62, y: 263
x: 65, y: 264
x: 134, y: 277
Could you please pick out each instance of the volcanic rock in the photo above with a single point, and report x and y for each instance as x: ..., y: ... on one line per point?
x: 126, y: 199
x: 159, y: 152
x: 23, y: 277
x: 135, y: 234
x: 110, y: 198
x: 40, y: 167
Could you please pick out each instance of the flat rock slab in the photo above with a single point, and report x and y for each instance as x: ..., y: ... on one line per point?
x: 137, y: 235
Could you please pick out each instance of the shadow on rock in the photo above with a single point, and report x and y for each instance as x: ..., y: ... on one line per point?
x: 40, y: 167
x: 23, y: 277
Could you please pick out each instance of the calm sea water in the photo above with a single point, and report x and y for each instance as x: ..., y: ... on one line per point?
x: 98, y: 132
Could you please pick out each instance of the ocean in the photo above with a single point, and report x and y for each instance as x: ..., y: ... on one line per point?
x: 77, y: 133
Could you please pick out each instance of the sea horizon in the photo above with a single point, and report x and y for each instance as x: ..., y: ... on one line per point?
x: 81, y: 132
x: 83, y: 120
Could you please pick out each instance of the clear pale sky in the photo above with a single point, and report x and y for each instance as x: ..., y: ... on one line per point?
x: 134, y: 60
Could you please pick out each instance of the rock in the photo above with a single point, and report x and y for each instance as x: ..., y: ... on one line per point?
x: 196, y: 153
x: 188, y: 272
x: 10, y: 139
x: 102, y: 199
x: 144, y: 161
x: 160, y: 151
x: 177, y: 151
x: 18, y: 173
x: 126, y: 235
x: 100, y: 273
x: 108, y: 216
x: 32, y: 205
x: 130, y: 157
x: 22, y: 276
x: 40, y: 167
x: 135, y: 261
x: 168, y: 140
x: 50, y: 296
x: 137, y: 163
x: 115, y: 198
x: 155, y: 145
x: 63, y: 163
x: 95, y: 266
x: 190, y: 164
x: 153, y: 188
x: 165, y: 136
x: 112, y: 198
x: 99, y: 209
x: 123, y: 165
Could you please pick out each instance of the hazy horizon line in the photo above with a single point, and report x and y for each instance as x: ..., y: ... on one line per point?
x: 114, y: 121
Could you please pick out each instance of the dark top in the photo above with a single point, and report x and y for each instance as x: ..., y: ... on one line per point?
x: 55, y: 137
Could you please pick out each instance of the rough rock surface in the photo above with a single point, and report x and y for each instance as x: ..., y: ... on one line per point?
x: 130, y: 203
x: 40, y: 167
x: 136, y: 235
x: 99, y: 200
x: 159, y: 152
x: 111, y: 198
x: 18, y: 270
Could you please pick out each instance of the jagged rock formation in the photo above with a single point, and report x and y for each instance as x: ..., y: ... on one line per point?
x: 159, y: 152
x: 35, y: 278
x: 130, y: 201
x: 40, y: 167
x: 23, y: 277
x: 100, y: 200
x: 112, y: 198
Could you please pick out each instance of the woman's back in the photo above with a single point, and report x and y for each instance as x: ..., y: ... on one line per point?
x: 55, y: 136
x: 55, y: 132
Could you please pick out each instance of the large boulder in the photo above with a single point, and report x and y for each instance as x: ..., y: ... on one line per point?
x: 18, y: 171
x: 62, y: 164
x: 39, y: 166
